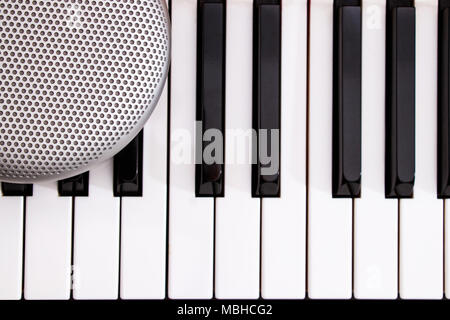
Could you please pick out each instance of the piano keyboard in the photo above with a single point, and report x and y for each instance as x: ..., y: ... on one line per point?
x: 354, y: 93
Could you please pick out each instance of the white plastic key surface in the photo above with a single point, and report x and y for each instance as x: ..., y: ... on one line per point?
x: 11, y: 247
x: 330, y: 220
x: 191, y: 219
x: 238, y: 214
x: 375, y: 243
x: 143, y: 223
x: 96, y: 238
x: 48, y: 244
x: 421, y: 218
x: 284, y: 218
x: 447, y: 248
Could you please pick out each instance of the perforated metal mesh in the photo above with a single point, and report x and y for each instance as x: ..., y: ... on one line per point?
x: 78, y: 79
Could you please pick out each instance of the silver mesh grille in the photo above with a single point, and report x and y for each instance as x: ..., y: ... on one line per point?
x: 78, y: 80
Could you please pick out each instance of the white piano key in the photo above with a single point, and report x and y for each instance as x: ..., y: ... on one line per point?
x: 96, y: 238
x: 284, y: 218
x: 421, y: 218
x: 330, y: 220
x: 143, y: 225
x: 11, y: 247
x: 48, y: 246
x: 238, y: 214
x: 447, y: 248
x: 375, y: 243
x: 191, y: 219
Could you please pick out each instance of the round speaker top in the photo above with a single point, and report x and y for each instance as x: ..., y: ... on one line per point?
x: 78, y: 80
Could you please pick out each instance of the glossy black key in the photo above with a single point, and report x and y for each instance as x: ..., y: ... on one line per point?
x: 400, y: 99
x: 266, y: 97
x: 77, y: 186
x: 209, y: 173
x: 17, y: 190
x: 347, y: 99
x: 443, y: 178
x: 128, y: 169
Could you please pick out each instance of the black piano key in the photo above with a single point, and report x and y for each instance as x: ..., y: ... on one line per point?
x: 128, y: 169
x: 443, y: 178
x: 17, y: 190
x: 400, y: 99
x: 209, y: 172
x: 77, y: 186
x: 347, y: 99
x: 266, y: 97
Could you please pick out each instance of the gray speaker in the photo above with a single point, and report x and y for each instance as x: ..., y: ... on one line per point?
x: 78, y: 80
